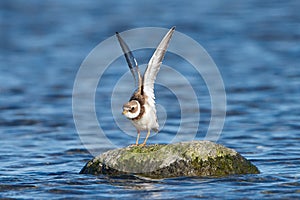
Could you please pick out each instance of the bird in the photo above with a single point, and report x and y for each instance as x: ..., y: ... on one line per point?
x: 140, y: 109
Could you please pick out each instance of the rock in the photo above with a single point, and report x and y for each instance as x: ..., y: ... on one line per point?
x: 195, y: 158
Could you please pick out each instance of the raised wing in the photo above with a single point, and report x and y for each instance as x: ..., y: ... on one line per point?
x: 131, y: 61
x: 154, y: 66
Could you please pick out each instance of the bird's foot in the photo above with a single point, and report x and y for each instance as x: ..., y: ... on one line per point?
x: 142, y: 145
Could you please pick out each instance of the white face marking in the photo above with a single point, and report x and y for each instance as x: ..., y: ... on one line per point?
x: 132, y: 109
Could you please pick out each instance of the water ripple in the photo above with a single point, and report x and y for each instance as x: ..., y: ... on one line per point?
x: 254, y: 43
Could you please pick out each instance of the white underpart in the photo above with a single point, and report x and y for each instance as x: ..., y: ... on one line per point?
x: 148, y: 121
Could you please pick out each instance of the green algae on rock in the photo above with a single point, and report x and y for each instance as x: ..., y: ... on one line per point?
x: 195, y: 158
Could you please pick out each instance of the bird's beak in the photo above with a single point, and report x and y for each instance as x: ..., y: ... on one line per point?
x: 124, y: 112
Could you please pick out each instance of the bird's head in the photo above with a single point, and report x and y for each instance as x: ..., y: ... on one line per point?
x: 131, y: 109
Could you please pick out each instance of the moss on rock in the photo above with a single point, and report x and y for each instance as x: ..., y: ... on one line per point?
x: 195, y: 158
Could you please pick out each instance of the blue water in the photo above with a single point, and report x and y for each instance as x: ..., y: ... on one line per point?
x: 255, y: 45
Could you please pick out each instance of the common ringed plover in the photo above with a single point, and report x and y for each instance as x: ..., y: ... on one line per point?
x: 140, y: 109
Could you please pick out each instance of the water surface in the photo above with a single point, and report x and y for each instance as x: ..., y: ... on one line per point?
x: 255, y: 44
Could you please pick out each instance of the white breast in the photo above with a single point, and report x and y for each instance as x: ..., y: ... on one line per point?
x: 148, y: 121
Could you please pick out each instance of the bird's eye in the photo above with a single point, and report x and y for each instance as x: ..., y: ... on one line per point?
x: 132, y: 108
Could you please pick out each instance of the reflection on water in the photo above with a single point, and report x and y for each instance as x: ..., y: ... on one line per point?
x: 254, y: 44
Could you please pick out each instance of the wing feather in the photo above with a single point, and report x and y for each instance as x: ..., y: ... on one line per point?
x: 154, y: 66
x: 131, y: 61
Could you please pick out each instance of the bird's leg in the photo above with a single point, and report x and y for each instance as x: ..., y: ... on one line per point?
x: 137, y: 138
x: 144, y: 143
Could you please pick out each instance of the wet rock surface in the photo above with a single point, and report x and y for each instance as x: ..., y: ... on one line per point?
x: 195, y: 158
